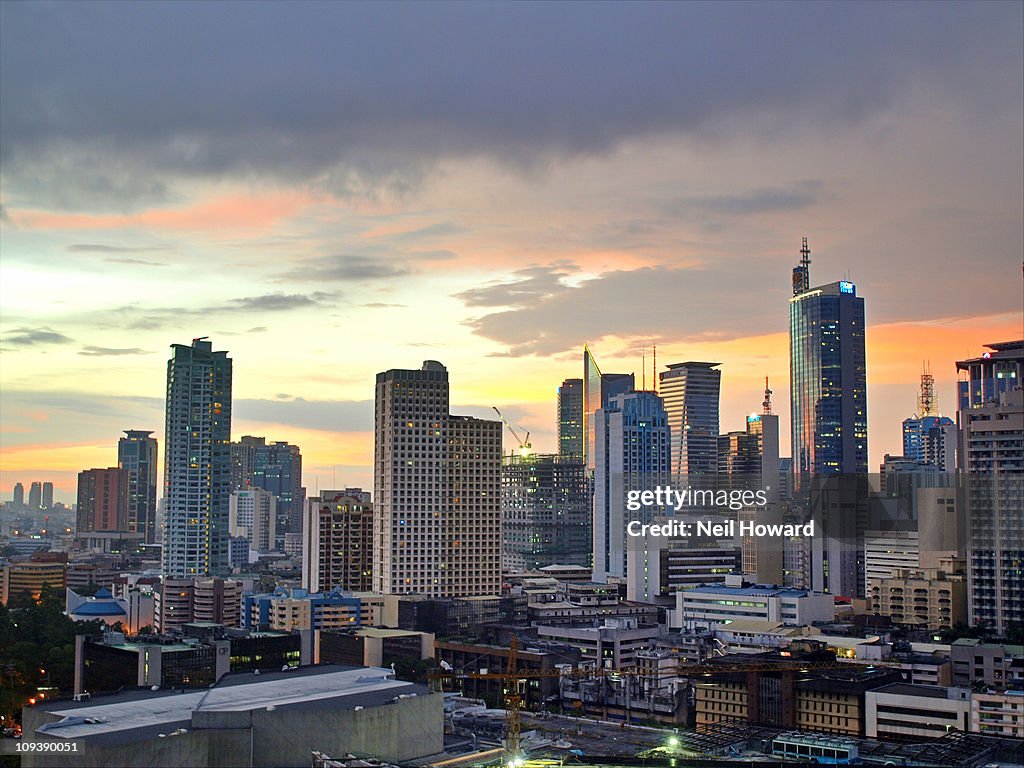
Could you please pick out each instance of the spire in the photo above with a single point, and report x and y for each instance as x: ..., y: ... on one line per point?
x: 767, y: 404
x: 802, y: 273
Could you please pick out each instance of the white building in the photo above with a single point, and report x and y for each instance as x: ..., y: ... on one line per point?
x: 998, y: 714
x: 437, y: 486
x: 900, y: 711
x: 737, y: 599
x: 888, y: 552
x: 252, y: 513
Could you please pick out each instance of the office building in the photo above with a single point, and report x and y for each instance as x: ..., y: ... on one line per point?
x: 243, y: 459
x: 35, y: 496
x: 828, y: 378
x: 546, y: 511
x: 991, y: 458
x: 738, y: 599
x: 437, y: 490
x: 690, y: 392
x: 598, y: 389
x: 46, y: 500
x: 287, y: 610
x: 19, y: 496
x: 197, y: 464
x: 102, y: 501
x: 182, y: 601
x: 277, y: 468
x: 658, y: 566
x: 886, y: 553
x: 253, y: 514
x: 23, y: 581
x: 137, y: 455
x: 994, y: 664
x: 903, y: 712
x: 337, y: 543
x: 632, y: 454
x: 570, y: 418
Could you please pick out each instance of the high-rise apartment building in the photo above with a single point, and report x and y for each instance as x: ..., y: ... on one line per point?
x: 828, y: 378
x: 632, y: 454
x: 690, y: 391
x: 991, y: 458
x: 197, y: 462
x: 546, y: 511
x: 19, y: 496
x: 570, y: 418
x: 274, y: 467
x: 437, y: 490
x: 136, y: 454
x: 598, y: 389
x: 253, y: 514
x: 46, y: 502
x: 102, y: 500
x: 35, y: 496
x: 337, y: 542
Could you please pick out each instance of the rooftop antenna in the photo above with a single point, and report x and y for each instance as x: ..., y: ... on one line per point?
x: 801, y: 273
x: 927, y: 402
x: 643, y: 369
x: 654, y: 369
x: 767, y: 404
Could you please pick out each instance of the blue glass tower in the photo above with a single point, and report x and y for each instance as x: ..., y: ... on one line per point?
x: 828, y: 378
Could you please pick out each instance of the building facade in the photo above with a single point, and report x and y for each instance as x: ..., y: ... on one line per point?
x: 197, y: 464
x: 253, y: 514
x: 102, y: 501
x: 690, y: 392
x: 570, y: 418
x: 137, y: 455
x: 337, y: 544
x: 437, y: 485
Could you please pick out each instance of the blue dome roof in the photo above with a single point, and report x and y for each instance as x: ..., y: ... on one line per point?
x: 103, y: 594
x: 99, y: 609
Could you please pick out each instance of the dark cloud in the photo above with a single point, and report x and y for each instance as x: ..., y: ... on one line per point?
x: 345, y: 267
x: 533, y: 285
x: 273, y: 302
x: 147, y: 318
x: 359, y: 96
x: 33, y: 337
x: 92, y: 351
x: 795, y: 197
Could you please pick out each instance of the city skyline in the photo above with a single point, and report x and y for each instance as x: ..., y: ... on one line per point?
x: 325, y: 228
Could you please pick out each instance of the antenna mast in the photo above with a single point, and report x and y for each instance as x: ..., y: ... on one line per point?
x: 927, y: 402
x: 767, y: 404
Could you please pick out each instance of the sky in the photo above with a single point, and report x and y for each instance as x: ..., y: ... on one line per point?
x: 329, y: 190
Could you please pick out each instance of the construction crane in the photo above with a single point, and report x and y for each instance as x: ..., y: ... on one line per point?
x: 525, y: 449
x: 514, y: 682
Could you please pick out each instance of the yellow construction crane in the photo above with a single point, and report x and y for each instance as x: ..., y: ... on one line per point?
x: 514, y: 679
x: 525, y: 449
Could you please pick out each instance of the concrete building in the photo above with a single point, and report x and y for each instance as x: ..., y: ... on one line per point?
x: 886, y: 553
x: 690, y: 392
x: 288, y: 610
x: 102, y: 501
x: 253, y: 514
x: 46, y: 500
x: 132, y: 612
x: 613, y: 644
x: 18, y: 499
x: 737, y: 599
x: 137, y: 455
x: 35, y: 496
x: 337, y: 543
x: 437, y: 490
x: 632, y: 450
x: 547, y: 511
x: 899, y: 712
x: 921, y: 599
x: 659, y: 566
x: 991, y: 455
x: 182, y: 601
x: 372, y: 646
x: 197, y: 436
x: 274, y: 720
x: 570, y: 418
x: 999, y: 665
x: 24, y: 580
x: 998, y: 713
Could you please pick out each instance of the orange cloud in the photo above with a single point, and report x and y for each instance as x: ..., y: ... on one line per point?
x: 231, y: 212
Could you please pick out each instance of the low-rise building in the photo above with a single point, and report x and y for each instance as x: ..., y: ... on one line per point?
x: 998, y: 713
x: 929, y: 599
x: 372, y: 646
x: 1000, y: 665
x: 286, y: 610
x: 738, y: 599
x: 23, y: 581
x: 905, y: 712
x: 613, y: 644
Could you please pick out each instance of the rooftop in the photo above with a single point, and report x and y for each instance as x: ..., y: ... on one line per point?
x: 754, y: 590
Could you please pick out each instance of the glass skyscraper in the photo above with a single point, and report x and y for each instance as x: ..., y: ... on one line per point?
x: 197, y: 464
x: 570, y: 418
x: 598, y: 389
x: 691, y: 391
x: 828, y: 379
x: 136, y: 454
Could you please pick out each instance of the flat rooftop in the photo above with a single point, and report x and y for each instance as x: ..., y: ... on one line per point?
x: 922, y: 691
x: 143, y: 714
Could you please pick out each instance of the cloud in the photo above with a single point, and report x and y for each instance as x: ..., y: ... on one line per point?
x: 797, y: 196
x: 343, y: 267
x: 273, y: 302
x: 92, y: 351
x: 532, y: 285
x: 147, y: 318
x: 136, y: 262
x: 383, y: 305
x: 31, y: 337
x: 99, y: 117
x: 101, y: 248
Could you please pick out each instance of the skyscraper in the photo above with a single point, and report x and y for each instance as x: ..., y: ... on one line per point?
x: 243, y: 455
x: 437, y: 485
x: 929, y: 438
x: 35, y: 496
x: 337, y: 542
x: 690, y: 391
x: 991, y: 456
x: 570, y: 418
x: 252, y: 513
x: 547, y: 511
x: 102, y: 500
x: 277, y: 468
x: 598, y: 389
x: 632, y: 454
x: 197, y: 463
x: 136, y: 454
x: 828, y: 377
x: 46, y: 502
x: 19, y: 496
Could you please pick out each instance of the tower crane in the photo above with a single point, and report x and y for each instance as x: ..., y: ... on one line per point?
x: 525, y: 449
